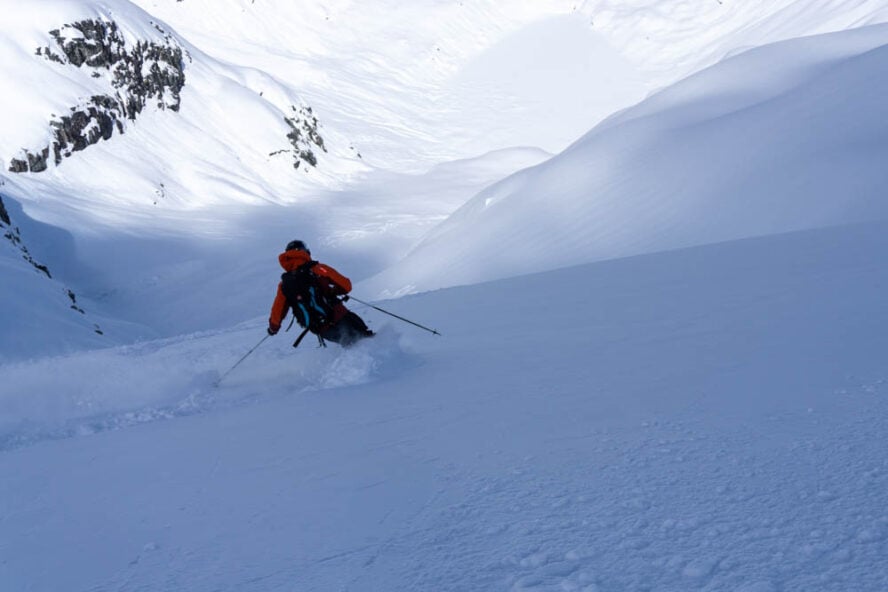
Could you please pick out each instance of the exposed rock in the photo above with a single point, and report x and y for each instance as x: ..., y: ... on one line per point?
x: 98, y: 45
x: 85, y: 127
x: 303, y: 136
x: 149, y: 72
x: 17, y: 165
x: 74, y: 302
x: 32, y: 162
x: 4, y: 215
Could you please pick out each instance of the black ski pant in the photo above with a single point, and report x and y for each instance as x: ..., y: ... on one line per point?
x: 350, y: 329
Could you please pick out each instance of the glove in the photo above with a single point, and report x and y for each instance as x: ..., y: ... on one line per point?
x: 273, y: 330
x: 345, y: 298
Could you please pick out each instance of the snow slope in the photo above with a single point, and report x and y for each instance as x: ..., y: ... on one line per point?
x: 702, y: 419
x: 40, y: 313
x: 526, y: 72
x: 196, y: 201
x: 783, y: 137
x: 142, y: 282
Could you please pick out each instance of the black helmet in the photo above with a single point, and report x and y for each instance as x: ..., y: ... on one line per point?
x: 297, y: 245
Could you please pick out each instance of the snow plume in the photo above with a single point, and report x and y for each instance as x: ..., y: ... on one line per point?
x: 102, y: 390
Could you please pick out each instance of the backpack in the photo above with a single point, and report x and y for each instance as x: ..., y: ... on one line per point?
x: 311, y: 308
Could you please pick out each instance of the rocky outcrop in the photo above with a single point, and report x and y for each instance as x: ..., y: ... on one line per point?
x: 303, y: 136
x: 4, y: 215
x: 150, y: 73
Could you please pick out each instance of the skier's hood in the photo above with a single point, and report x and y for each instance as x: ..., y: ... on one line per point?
x: 291, y: 260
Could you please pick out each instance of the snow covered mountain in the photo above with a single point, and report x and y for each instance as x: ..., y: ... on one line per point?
x: 659, y: 235
x: 174, y: 130
x: 783, y: 137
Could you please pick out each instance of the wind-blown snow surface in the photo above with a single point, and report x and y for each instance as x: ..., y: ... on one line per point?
x: 706, y: 419
x: 784, y: 137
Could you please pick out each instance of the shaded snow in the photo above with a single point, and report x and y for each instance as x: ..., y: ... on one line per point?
x: 708, y: 418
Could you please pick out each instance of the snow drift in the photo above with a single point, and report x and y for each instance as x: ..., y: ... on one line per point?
x: 784, y: 137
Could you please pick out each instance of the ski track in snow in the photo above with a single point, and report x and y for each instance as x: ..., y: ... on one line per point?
x: 708, y: 419
x: 176, y: 378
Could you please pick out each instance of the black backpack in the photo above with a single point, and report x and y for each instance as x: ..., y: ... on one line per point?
x: 311, y: 308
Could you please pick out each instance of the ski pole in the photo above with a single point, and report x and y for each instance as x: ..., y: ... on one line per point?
x: 393, y: 315
x: 241, y: 360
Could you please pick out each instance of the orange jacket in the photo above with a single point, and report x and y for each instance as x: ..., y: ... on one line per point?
x: 331, y: 282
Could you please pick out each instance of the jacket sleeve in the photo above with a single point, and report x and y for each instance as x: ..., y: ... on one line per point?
x: 278, y: 310
x: 334, y: 282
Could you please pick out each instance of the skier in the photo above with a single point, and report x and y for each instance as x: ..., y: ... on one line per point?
x: 311, y: 290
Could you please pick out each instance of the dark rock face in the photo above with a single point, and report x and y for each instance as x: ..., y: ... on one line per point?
x: 4, y: 215
x: 85, y: 127
x: 304, y: 136
x: 152, y: 71
x: 99, y: 44
x: 35, y: 162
